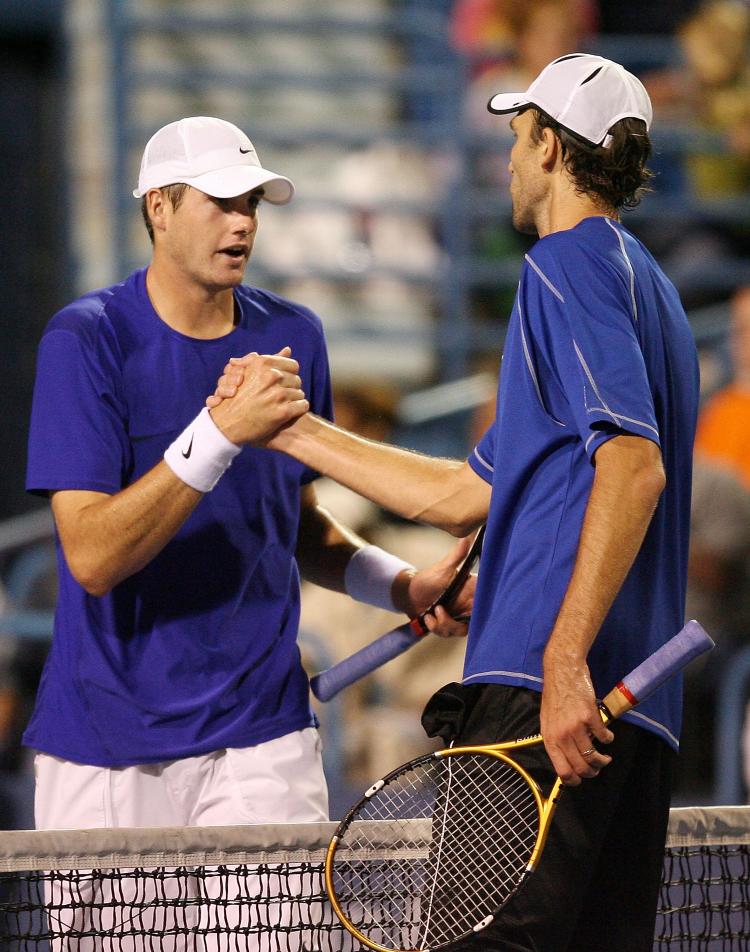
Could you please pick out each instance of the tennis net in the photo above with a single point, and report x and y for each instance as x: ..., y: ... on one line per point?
x: 261, y: 888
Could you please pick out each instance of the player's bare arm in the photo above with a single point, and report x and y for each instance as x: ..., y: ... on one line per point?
x: 107, y: 538
x: 441, y: 492
x: 325, y: 547
x: 628, y: 481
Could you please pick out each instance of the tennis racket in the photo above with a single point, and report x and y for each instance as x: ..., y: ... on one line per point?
x: 328, y: 683
x: 433, y: 850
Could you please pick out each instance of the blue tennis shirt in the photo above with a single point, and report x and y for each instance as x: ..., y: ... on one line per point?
x: 198, y: 651
x: 598, y: 345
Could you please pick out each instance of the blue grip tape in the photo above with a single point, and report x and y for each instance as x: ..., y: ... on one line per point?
x: 670, y: 658
x: 328, y: 683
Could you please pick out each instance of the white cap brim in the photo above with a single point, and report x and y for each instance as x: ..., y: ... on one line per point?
x: 508, y: 102
x: 232, y: 181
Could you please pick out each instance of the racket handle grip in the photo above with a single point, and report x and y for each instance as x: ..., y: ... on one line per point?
x: 654, y: 671
x: 390, y: 645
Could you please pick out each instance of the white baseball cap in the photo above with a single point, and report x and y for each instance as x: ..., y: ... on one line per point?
x: 213, y: 156
x: 586, y: 94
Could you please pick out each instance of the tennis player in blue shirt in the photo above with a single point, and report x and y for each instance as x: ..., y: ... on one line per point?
x: 173, y: 694
x: 583, y: 480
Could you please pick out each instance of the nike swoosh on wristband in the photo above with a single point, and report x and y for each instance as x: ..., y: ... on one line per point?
x: 245, y: 151
x: 187, y: 453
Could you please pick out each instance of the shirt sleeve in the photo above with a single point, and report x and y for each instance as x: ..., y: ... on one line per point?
x: 581, y: 327
x: 483, y: 455
x: 77, y: 437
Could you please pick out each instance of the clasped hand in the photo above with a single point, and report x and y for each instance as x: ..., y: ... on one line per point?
x: 258, y: 395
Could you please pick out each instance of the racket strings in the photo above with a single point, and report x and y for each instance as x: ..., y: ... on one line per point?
x: 480, y: 892
x: 485, y: 855
x: 438, y: 848
x: 442, y: 838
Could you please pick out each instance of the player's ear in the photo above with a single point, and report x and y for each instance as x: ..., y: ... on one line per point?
x: 550, y: 149
x: 156, y: 206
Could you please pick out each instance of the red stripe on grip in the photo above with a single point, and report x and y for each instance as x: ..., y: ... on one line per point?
x: 629, y: 696
x: 418, y: 627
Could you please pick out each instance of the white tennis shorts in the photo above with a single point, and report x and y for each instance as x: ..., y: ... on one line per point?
x: 280, y: 781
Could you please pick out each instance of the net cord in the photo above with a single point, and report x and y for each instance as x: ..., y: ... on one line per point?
x: 28, y: 850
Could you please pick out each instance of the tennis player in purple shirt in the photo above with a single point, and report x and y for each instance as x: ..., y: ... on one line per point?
x: 583, y: 480
x: 173, y: 694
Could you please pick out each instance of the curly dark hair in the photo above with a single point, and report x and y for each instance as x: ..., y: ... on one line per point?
x: 617, y: 174
x: 175, y: 194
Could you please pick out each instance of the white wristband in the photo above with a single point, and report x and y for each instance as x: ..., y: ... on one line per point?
x: 201, y: 454
x: 369, y: 576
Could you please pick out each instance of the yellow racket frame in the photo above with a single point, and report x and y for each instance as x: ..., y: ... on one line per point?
x: 545, y: 811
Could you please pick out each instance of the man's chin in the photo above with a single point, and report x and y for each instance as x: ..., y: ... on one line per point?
x: 523, y: 225
x: 235, y: 275
x: 226, y: 280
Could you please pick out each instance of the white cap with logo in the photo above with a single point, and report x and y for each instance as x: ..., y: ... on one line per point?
x: 213, y: 156
x: 585, y: 94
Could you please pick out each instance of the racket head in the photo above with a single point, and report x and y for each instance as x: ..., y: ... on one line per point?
x: 433, y: 851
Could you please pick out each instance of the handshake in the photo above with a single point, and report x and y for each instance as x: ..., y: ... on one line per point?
x: 257, y: 397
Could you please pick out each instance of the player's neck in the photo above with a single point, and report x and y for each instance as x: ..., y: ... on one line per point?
x: 188, y: 307
x: 567, y: 208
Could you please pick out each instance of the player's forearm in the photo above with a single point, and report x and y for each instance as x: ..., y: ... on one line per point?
x: 325, y: 548
x: 420, y: 488
x: 324, y: 545
x: 331, y: 555
x: 628, y: 482
x: 107, y: 538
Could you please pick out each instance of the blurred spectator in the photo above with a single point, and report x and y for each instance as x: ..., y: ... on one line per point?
x: 369, y: 407
x: 718, y: 596
x: 719, y: 563
x: 20, y: 667
x: 8, y: 716
x: 31, y: 585
x: 711, y: 91
x: 719, y: 566
x: 506, y: 43
x: 723, y: 435
x: 381, y: 712
x: 481, y: 30
x: 483, y: 414
x: 509, y: 42
x: 8, y: 707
